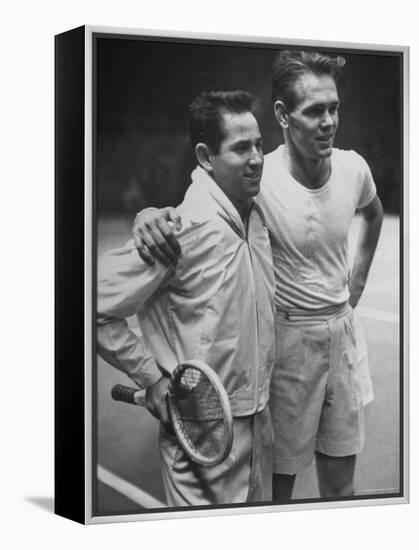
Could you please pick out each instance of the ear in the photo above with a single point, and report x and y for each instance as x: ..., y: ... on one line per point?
x: 281, y: 114
x: 204, y: 156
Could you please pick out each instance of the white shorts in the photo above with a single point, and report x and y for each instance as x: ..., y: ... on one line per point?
x: 316, y: 390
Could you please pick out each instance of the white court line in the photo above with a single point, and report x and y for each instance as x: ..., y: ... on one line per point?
x: 128, y: 489
x: 378, y: 315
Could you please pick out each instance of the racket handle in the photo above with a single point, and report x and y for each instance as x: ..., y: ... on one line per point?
x: 129, y: 395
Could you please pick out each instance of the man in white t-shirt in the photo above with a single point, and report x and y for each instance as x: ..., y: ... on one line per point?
x: 309, y: 194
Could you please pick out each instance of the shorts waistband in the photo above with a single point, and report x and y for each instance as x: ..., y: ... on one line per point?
x: 324, y: 314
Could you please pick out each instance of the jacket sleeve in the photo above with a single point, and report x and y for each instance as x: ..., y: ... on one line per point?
x: 124, y: 285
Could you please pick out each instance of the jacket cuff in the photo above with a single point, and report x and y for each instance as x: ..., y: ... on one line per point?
x: 147, y: 376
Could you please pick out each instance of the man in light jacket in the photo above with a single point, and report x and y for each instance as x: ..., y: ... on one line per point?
x: 215, y: 304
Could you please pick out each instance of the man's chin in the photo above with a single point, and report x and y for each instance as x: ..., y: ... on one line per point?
x: 325, y: 148
x: 254, y: 190
x: 252, y: 186
x: 326, y: 152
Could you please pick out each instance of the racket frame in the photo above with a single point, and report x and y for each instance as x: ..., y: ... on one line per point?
x: 136, y: 397
x: 228, y: 417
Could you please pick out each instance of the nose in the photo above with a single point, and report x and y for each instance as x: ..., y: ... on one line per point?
x: 256, y: 157
x: 328, y: 120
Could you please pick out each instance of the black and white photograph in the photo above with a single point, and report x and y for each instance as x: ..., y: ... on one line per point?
x: 211, y: 202
x: 248, y: 275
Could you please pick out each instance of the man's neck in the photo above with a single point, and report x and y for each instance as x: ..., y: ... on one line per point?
x: 311, y: 173
x: 243, y: 208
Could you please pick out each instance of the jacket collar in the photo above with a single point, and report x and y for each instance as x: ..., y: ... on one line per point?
x: 203, y: 183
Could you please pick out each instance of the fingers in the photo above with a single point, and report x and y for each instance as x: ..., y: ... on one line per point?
x: 152, y: 406
x: 168, y: 243
x: 154, y: 237
x: 139, y: 397
x: 163, y: 412
x: 174, y: 217
x: 155, y: 399
x: 143, y: 250
x: 138, y: 240
x: 160, y: 412
x: 156, y: 246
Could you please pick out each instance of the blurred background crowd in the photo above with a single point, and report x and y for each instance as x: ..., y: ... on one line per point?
x: 144, y: 88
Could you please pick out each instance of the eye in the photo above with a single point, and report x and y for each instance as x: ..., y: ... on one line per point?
x: 242, y: 147
x: 314, y: 112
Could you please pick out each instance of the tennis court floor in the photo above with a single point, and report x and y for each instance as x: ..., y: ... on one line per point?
x: 127, y: 435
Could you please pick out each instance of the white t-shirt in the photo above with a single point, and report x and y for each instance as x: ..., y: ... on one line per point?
x: 309, y: 228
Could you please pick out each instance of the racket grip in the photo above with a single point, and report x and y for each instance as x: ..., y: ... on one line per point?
x: 127, y: 394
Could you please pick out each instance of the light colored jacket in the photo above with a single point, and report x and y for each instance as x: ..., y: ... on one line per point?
x: 216, y: 305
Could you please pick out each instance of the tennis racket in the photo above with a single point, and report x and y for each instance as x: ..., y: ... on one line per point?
x: 199, y: 410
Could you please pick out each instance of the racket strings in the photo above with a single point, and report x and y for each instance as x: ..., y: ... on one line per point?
x: 200, y: 415
x: 196, y: 397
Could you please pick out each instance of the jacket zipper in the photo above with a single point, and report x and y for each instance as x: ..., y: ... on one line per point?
x: 256, y: 396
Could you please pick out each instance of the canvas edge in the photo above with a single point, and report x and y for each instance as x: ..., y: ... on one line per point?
x: 209, y: 512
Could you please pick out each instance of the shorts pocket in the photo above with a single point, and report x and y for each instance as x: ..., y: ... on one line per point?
x: 352, y: 362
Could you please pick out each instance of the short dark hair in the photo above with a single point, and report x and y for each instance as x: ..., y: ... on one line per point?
x: 207, y: 110
x: 290, y: 65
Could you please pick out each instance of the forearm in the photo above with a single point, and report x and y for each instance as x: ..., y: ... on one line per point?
x: 125, y: 283
x: 119, y: 346
x: 366, y: 246
x: 122, y: 348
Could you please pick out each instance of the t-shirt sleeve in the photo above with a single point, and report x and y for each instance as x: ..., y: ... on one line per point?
x: 368, y: 189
